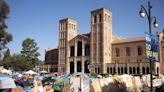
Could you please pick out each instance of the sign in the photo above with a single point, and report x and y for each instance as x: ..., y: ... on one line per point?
x: 151, y: 47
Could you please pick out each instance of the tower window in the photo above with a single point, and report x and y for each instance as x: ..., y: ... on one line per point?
x: 139, y: 49
x: 117, y: 52
x: 127, y: 51
x: 108, y: 18
x: 100, y: 18
x: 95, y: 19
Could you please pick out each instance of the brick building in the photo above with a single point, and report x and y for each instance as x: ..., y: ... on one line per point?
x: 101, y: 52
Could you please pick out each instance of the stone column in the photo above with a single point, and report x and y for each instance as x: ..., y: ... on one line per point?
x: 83, y: 55
x: 140, y: 66
x: 75, y: 57
x: 116, y: 67
x: 128, y: 68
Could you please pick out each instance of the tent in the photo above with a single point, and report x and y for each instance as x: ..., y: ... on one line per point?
x: 60, y: 83
x: 6, y: 82
x: 43, y: 71
x: 5, y: 71
x: 30, y: 72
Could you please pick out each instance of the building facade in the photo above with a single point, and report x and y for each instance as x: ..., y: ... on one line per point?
x: 101, y: 52
x: 51, y: 60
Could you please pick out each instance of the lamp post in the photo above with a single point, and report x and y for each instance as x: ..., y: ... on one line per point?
x: 150, y: 18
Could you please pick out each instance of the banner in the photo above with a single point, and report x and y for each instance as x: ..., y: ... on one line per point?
x: 151, y: 47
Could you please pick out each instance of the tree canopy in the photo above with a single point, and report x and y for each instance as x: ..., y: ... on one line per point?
x: 30, y: 50
x: 5, y: 37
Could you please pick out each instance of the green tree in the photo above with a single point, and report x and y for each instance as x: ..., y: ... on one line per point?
x: 5, y: 37
x: 7, y: 60
x: 20, y: 63
x: 30, y: 51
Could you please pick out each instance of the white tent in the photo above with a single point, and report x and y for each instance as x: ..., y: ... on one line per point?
x: 6, y: 82
x: 43, y: 71
x: 30, y: 72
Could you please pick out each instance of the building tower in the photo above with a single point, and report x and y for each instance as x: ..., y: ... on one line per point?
x: 101, y: 38
x: 67, y: 31
x: 161, y: 51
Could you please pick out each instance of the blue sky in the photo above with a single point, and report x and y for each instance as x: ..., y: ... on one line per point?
x: 38, y: 19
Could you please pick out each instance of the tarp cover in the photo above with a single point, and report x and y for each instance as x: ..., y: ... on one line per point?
x: 6, y: 82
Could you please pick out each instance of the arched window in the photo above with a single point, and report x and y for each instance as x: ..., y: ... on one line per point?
x: 127, y: 51
x: 79, y: 48
x: 100, y: 17
x: 79, y: 67
x: 94, y: 18
x: 87, y: 51
x: 72, y: 51
x: 117, y: 52
x: 86, y: 68
x: 71, y: 67
x: 139, y: 50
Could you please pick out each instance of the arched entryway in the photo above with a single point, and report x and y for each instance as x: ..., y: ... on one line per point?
x: 122, y: 70
x: 134, y: 70
x: 71, y: 67
x: 157, y: 71
x: 147, y: 70
x: 118, y: 70
x: 79, y: 67
x: 111, y: 70
x: 143, y: 70
x: 114, y: 70
x: 125, y: 70
x: 130, y: 70
x: 86, y: 67
x: 138, y: 70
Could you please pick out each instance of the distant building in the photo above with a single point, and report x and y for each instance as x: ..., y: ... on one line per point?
x: 101, y: 52
x: 51, y: 60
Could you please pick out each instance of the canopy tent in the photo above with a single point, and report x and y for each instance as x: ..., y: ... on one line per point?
x: 30, y: 72
x: 43, y: 71
x: 4, y: 75
x: 6, y: 82
x: 60, y: 83
x: 80, y: 74
x: 5, y: 71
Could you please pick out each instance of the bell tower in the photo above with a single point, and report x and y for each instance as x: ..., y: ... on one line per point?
x: 67, y: 31
x: 101, y: 38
